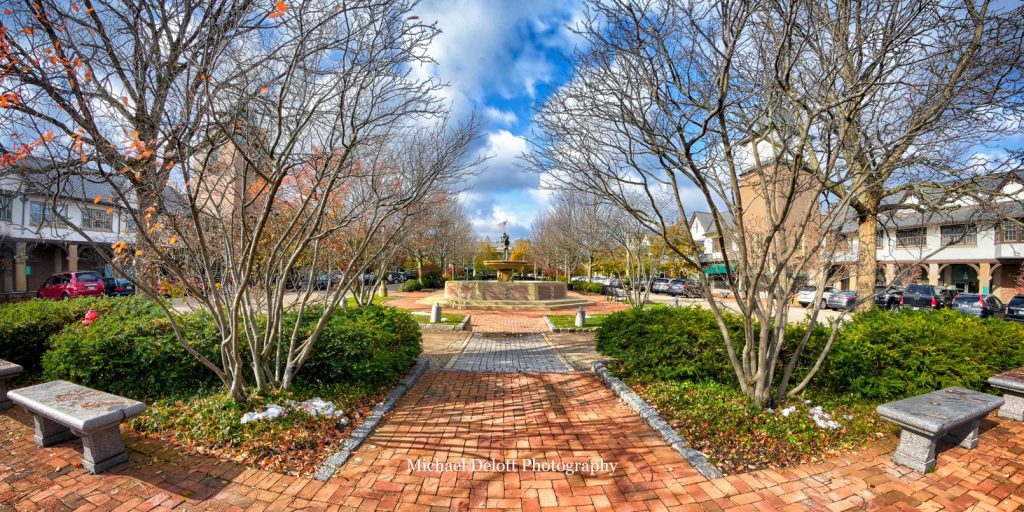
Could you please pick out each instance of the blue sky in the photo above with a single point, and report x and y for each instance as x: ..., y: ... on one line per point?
x: 500, y: 59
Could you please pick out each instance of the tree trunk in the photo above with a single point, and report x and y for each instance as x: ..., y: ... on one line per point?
x: 867, y: 262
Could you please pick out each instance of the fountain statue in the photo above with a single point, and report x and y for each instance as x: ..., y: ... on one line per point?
x: 506, y: 293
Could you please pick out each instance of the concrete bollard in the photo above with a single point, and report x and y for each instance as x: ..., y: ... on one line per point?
x: 435, y: 313
x: 677, y: 301
x: 581, y: 318
x: 383, y: 288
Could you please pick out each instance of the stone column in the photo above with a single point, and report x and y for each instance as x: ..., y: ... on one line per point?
x: 890, y: 272
x: 984, y: 277
x: 58, y: 259
x: 20, y: 258
x: 72, y: 257
x: 933, y: 274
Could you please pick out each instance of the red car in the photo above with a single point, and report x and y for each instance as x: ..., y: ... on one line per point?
x: 69, y: 285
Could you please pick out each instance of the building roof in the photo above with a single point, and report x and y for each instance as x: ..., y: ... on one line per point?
x: 707, y: 219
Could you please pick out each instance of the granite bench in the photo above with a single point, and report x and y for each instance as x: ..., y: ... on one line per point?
x: 1011, y: 383
x: 62, y: 410
x: 8, y: 370
x: 952, y: 414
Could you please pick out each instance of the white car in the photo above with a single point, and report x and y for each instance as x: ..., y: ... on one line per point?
x: 805, y: 296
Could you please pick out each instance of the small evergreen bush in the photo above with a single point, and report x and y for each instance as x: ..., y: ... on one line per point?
x: 26, y: 327
x: 131, y: 350
x: 371, y: 345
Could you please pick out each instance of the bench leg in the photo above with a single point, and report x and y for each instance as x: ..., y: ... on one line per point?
x: 1013, y: 408
x: 103, y: 450
x: 5, y: 403
x: 965, y: 435
x: 916, y: 451
x: 49, y: 433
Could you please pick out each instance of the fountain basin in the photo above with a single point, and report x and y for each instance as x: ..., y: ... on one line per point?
x: 508, y: 295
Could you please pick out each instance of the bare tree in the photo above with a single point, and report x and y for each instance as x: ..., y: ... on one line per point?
x: 911, y: 88
x: 254, y: 148
x: 676, y: 107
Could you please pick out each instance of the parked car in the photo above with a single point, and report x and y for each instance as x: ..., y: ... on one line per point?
x: 923, y: 296
x: 117, y: 287
x: 69, y: 285
x: 979, y: 305
x: 846, y: 299
x: 322, y: 282
x: 805, y: 295
x: 684, y: 288
x: 396, y: 277
x: 887, y: 298
x: 660, y: 285
x: 613, y: 282
x: 1015, y: 309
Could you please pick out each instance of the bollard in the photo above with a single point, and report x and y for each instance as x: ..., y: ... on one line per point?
x: 383, y: 288
x: 435, y: 313
x: 677, y: 301
x: 581, y: 318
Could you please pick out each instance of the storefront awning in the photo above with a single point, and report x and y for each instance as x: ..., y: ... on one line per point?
x: 716, y: 269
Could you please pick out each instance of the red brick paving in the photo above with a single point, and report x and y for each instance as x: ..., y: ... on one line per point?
x: 483, y: 322
x: 455, y: 414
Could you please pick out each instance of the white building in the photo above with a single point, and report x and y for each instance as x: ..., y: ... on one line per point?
x: 35, y: 243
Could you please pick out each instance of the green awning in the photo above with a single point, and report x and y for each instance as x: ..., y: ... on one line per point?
x: 716, y: 269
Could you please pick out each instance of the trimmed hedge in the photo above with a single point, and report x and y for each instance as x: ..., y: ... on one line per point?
x: 588, y: 287
x: 26, y: 327
x: 131, y: 350
x: 411, y: 285
x: 371, y: 344
x: 878, y: 355
x: 885, y: 355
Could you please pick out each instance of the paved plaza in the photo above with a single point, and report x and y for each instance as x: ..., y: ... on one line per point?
x: 497, y: 430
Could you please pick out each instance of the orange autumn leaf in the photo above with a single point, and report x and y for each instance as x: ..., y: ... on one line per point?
x: 279, y: 9
x: 264, y: 90
x: 110, y: 210
x: 29, y: 31
x: 48, y: 136
x: 172, y: 240
x: 97, y: 199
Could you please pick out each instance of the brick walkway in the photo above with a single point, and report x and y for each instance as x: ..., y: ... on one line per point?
x: 509, y: 353
x: 481, y: 322
x: 431, y: 422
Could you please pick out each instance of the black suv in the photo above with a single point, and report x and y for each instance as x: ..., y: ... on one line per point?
x: 887, y: 298
x: 923, y: 296
x: 1015, y: 309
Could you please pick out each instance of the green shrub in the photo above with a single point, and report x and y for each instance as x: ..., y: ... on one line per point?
x: 371, y: 345
x: 588, y: 287
x: 433, y: 279
x: 131, y: 351
x: 411, y: 285
x: 26, y: 327
x: 886, y: 355
x: 668, y: 343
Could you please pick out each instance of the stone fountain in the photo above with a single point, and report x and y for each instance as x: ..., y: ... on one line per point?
x: 506, y: 293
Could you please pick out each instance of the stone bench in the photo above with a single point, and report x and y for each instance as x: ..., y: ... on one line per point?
x: 8, y: 370
x: 952, y: 414
x: 62, y: 410
x: 1011, y: 383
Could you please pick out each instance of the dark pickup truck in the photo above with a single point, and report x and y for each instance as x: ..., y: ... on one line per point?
x: 923, y: 296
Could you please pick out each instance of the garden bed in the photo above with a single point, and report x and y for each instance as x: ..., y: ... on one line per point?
x: 210, y: 423
x: 738, y: 436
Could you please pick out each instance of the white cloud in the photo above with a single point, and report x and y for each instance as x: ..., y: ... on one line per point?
x: 502, y: 171
x: 500, y: 116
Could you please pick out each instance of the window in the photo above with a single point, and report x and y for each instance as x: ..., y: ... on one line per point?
x: 959, y: 234
x: 98, y: 220
x: 879, y: 239
x: 42, y: 214
x: 128, y: 223
x: 6, y: 203
x: 1012, y: 231
x: 915, y: 237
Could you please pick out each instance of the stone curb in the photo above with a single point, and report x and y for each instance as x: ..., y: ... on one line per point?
x: 363, y: 431
x: 552, y: 328
x: 441, y: 327
x: 651, y: 416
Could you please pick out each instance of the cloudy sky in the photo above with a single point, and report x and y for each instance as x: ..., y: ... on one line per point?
x: 501, y: 58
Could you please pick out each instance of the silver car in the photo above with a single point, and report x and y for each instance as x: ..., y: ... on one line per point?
x: 842, y: 300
